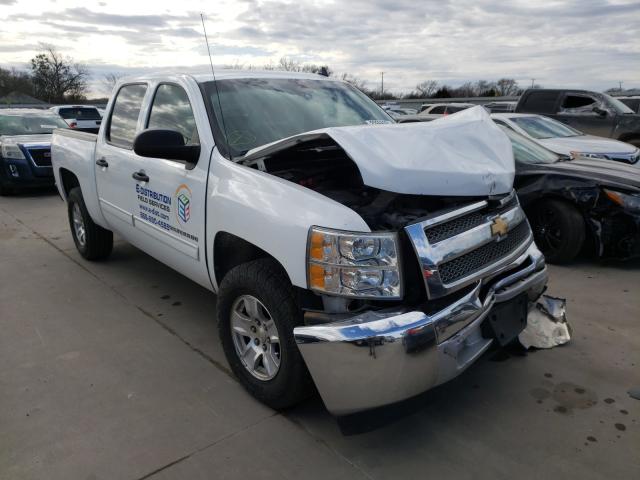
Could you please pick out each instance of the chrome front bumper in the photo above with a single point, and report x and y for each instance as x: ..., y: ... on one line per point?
x: 379, y: 358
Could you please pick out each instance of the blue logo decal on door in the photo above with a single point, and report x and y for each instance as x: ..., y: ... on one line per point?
x: 183, y: 197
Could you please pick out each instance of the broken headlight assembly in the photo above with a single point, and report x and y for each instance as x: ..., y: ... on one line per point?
x: 629, y: 201
x: 353, y: 264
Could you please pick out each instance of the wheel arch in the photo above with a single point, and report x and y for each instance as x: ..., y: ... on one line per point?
x: 229, y: 251
x: 68, y: 180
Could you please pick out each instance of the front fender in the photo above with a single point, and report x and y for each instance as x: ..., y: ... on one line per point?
x: 271, y: 213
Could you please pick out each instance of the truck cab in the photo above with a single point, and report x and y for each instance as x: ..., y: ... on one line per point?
x: 347, y: 251
x: 590, y: 112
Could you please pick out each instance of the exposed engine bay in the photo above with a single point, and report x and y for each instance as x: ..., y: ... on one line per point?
x: 323, y: 166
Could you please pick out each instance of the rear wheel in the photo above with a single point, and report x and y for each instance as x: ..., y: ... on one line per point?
x: 558, y: 229
x: 92, y: 241
x: 257, y: 311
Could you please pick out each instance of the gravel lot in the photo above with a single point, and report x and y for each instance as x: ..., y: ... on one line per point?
x: 114, y: 370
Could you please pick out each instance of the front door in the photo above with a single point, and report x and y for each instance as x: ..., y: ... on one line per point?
x: 115, y: 160
x: 577, y: 111
x: 170, y: 204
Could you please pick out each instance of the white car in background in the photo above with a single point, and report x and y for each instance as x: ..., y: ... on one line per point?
x: 85, y: 118
x: 565, y: 140
x: 436, y: 110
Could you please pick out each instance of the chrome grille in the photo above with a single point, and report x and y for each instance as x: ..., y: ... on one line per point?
x: 487, y: 254
x: 442, y: 231
x: 458, y: 247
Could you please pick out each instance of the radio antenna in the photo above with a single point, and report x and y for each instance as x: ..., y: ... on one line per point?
x: 215, y: 84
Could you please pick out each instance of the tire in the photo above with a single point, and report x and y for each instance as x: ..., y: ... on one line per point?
x: 265, y: 281
x: 97, y: 242
x: 558, y: 229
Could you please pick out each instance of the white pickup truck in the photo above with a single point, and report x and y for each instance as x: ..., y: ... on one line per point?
x: 375, y: 260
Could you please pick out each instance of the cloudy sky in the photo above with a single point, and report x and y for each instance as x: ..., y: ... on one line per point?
x: 587, y: 43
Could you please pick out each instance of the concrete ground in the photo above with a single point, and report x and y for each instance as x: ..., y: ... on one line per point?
x: 114, y: 370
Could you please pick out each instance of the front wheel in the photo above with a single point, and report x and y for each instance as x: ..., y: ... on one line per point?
x: 257, y: 311
x: 92, y: 241
x: 558, y: 229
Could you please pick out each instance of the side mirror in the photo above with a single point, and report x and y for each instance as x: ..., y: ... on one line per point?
x: 599, y: 111
x: 167, y: 144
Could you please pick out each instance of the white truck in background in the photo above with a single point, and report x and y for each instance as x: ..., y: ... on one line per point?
x: 85, y: 118
x: 376, y: 260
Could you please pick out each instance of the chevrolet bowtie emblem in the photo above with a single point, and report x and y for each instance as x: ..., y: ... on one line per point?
x: 499, y: 227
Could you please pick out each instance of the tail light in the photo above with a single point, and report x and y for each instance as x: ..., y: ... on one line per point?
x: 73, y: 124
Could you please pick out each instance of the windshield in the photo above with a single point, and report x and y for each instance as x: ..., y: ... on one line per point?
x: 258, y: 111
x: 30, y: 124
x: 543, y: 127
x: 617, y: 104
x: 527, y: 151
x: 82, y: 113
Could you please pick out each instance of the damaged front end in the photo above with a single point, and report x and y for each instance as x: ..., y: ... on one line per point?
x: 451, y: 230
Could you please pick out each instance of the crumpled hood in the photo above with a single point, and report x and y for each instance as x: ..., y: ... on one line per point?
x: 25, y: 139
x: 586, y: 144
x: 464, y: 154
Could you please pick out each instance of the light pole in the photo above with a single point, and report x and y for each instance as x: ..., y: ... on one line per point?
x: 532, y: 82
x: 381, y: 84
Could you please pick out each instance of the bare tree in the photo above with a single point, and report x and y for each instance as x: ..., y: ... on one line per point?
x: 426, y: 89
x: 57, y: 78
x: 506, y: 87
x: 15, y: 81
x: 467, y: 89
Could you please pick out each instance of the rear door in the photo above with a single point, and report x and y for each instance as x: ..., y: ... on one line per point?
x: 116, y: 162
x: 174, y: 227
x: 576, y: 110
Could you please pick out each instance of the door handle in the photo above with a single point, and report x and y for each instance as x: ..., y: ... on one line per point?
x: 140, y: 176
x: 102, y: 162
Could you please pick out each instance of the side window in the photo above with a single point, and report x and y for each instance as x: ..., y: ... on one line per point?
x: 539, y: 102
x: 171, y: 110
x: 579, y: 105
x: 437, y: 110
x: 124, y: 119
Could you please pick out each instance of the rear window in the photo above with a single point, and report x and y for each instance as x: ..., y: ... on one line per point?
x: 539, y: 102
x: 437, y: 110
x: 124, y: 119
x: 82, y: 113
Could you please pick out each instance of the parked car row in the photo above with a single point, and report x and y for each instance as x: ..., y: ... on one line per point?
x: 335, y: 239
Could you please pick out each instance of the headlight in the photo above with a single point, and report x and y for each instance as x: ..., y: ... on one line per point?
x: 352, y: 264
x: 12, y: 151
x: 626, y: 200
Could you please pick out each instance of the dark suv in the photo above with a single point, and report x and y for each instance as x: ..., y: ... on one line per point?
x: 591, y: 112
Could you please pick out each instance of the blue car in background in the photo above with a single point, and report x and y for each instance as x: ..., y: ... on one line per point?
x: 25, y: 148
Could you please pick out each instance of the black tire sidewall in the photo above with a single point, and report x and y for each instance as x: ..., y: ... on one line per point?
x: 260, y: 279
x: 75, y: 197
x: 572, y: 230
